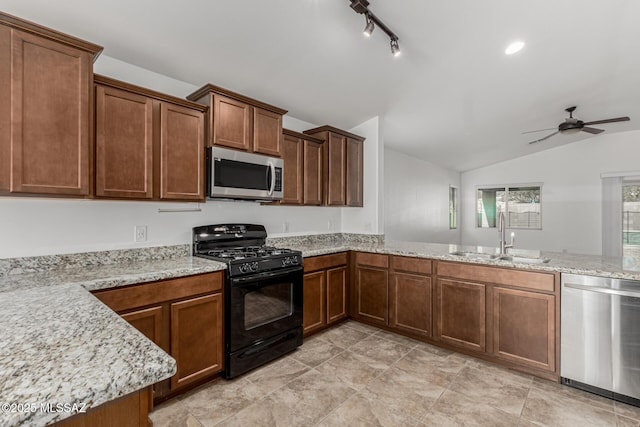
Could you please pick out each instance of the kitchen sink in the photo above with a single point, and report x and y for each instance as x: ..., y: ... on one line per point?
x: 477, y: 255
x: 524, y: 259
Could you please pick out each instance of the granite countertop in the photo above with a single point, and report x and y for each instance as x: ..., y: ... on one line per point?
x: 621, y: 268
x: 60, y: 345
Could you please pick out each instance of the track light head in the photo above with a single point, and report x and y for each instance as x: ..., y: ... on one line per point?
x: 395, y: 48
x: 370, y: 26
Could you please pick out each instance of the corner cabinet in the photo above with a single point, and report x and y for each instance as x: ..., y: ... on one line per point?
x: 239, y: 122
x: 46, y: 110
x: 325, y: 291
x: 302, y: 156
x: 342, y: 170
x: 183, y: 317
x: 148, y: 145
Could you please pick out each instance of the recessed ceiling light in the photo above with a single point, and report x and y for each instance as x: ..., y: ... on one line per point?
x: 514, y: 47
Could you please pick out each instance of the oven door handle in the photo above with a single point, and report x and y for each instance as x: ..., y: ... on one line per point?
x: 266, y: 275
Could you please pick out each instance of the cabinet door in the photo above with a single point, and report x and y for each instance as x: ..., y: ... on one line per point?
x: 292, y: 181
x: 354, y: 177
x: 524, y: 327
x: 50, y: 119
x: 181, y: 153
x: 336, y: 294
x: 124, y: 144
x: 196, y: 338
x: 267, y: 132
x: 231, y: 123
x: 149, y: 322
x: 410, y: 303
x: 460, y: 313
x: 336, y: 170
x: 314, y: 302
x: 371, y: 294
x: 312, y: 168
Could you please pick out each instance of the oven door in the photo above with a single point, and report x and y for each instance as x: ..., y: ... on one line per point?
x: 238, y: 175
x: 263, y: 305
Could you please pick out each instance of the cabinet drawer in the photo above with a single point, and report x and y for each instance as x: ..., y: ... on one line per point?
x: 412, y: 265
x: 156, y: 292
x: 501, y: 276
x: 324, y: 261
x: 374, y: 260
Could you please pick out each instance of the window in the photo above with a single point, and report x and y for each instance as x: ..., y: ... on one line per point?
x: 453, y: 207
x: 631, y: 218
x: 520, y: 204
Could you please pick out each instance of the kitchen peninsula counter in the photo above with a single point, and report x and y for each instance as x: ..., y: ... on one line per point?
x: 60, y: 345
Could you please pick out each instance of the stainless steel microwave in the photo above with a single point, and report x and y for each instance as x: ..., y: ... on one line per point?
x: 235, y: 174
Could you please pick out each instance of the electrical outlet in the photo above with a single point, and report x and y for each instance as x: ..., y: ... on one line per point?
x: 140, y: 233
x: 285, y: 227
x: 329, y: 225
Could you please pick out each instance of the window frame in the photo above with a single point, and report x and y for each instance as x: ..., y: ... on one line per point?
x: 456, y: 206
x: 506, y: 203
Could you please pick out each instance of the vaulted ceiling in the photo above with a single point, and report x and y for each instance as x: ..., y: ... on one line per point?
x: 452, y: 97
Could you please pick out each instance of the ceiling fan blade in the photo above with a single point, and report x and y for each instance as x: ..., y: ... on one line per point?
x: 539, y: 130
x: 546, y: 137
x: 592, y: 130
x: 599, y: 122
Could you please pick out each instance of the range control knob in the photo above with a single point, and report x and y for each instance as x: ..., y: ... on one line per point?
x: 290, y: 260
x: 253, y: 266
x: 244, y: 268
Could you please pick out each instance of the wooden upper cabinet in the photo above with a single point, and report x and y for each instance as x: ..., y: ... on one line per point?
x: 148, y: 145
x: 342, y: 169
x: 302, y: 155
x: 354, y: 172
x: 237, y: 121
x: 46, y: 104
x: 124, y: 144
x: 181, y: 153
x: 312, y: 169
x: 292, y: 182
x: 231, y: 124
x: 267, y: 132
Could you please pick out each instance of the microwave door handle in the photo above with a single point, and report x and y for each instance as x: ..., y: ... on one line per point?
x: 272, y: 168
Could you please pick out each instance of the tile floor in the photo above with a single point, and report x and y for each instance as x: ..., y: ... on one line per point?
x: 356, y: 375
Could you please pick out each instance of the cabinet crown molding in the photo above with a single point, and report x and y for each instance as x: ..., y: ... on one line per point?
x: 328, y: 128
x: 300, y: 135
x: 210, y: 88
x: 41, y: 31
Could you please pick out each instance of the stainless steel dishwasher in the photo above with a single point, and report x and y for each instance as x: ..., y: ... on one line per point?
x: 600, y: 336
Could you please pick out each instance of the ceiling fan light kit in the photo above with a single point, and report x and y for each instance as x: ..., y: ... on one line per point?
x: 571, y: 125
x: 362, y: 7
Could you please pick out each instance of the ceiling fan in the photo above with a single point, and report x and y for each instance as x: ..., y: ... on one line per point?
x: 573, y: 125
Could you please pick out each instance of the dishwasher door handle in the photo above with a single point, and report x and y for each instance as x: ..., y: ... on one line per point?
x: 603, y: 290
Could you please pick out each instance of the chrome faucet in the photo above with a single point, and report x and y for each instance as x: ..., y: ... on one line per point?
x: 501, y: 231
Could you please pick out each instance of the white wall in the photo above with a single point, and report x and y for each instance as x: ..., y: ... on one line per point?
x: 416, y: 200
x: 369, y: 218
x: 66, y: 225
x: 571, y: 193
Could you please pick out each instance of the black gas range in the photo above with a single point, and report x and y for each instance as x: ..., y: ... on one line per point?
x: 262, y: 293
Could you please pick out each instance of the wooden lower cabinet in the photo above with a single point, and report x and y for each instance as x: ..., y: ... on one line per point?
x: 461, y: 316
x: 325, y: 292
x: 149, y: 322
x: 128, y: 411
x: 370, y: 294
x: 524, y: 329
x: 183, y: 317
x: 410, y: 303
x: 195, y: 343
x: 336, y: 294
x: 314, y: 310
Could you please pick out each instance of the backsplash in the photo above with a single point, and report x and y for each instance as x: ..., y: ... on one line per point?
x: 10, y: 266
x: 338, y: 238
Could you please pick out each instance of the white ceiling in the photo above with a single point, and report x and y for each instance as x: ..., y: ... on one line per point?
x: 452, y: 97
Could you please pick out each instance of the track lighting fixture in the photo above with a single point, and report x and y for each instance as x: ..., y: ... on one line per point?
x: 362, y: 7
x: 370, y: 26
x: 395, y: 49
